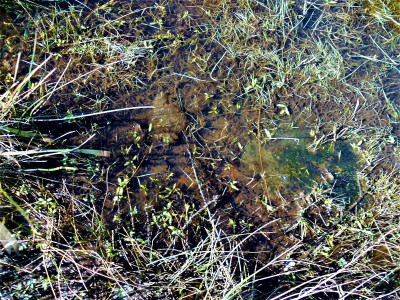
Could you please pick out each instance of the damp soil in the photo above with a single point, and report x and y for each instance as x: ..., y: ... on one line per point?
x: 205, y: 139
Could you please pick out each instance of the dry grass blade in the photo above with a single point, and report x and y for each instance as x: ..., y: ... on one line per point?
x: 12, y: 95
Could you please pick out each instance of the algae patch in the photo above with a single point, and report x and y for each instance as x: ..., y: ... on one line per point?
x: 287, y: 162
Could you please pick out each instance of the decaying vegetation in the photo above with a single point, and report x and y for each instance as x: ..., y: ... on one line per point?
x: 200, y: 149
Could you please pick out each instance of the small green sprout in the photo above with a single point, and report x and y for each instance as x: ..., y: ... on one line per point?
x: 134, y: 211
x: 252, y: 85
x: 144, y: 188
x: 284, y: 109
x: 214, y: 110
x: 227, y: 167
x: 208, y: 96
x: 342, y: 262
x: 268, y: 133
x: 232, y: 185
x: 166, y: 139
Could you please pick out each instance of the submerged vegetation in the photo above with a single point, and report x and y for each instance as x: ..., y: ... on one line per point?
x: 200, y: 149
x: 290, y: 159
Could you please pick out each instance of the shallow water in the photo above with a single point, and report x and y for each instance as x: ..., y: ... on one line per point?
x: 233, y: 121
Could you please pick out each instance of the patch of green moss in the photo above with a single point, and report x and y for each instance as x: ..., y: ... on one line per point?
x: 287, y: 161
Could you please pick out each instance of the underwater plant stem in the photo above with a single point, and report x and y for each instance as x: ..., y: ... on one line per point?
x: 198, y: 182
x: 17, y: 67
x: 93, y: 114
x: 49, y: 152
x: 260, y: 155
x: 33, y: 57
